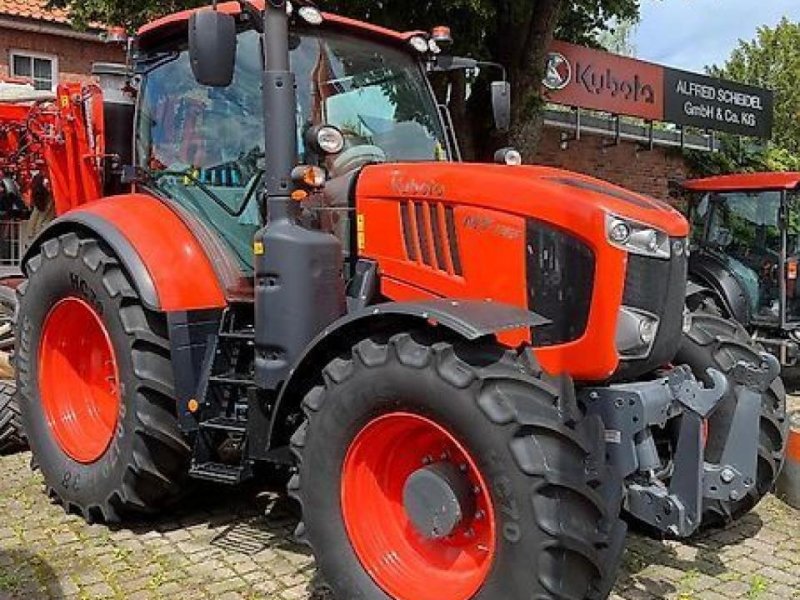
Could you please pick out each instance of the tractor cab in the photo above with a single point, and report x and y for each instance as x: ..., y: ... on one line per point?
x: 746, y: 249
x: 203, y: 146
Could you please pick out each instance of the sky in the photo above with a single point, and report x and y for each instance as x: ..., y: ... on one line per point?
x: 691, y: 34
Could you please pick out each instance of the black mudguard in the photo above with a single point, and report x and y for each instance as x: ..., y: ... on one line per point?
x: 707, y: 270
x: 122, y: 249
x: 469, y: 319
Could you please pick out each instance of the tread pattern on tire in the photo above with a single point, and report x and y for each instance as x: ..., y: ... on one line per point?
x: 551, y: 442
x: 160, y: 456
x: 12, y: 436
x: 727, y: 343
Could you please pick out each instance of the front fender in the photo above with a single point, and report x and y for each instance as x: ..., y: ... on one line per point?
x: 167, y: 264
x: 467, y: 319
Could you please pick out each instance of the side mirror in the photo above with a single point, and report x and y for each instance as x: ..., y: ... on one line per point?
x: 501, y: 105
x: 212, y: 47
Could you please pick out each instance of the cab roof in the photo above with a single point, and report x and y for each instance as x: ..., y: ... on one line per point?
x: 174, y: 24
x: 745, y: 182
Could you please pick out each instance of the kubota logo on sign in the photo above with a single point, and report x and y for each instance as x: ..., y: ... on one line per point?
x: 608, y: 82
x: 558, y: 73
x: 593, y: 79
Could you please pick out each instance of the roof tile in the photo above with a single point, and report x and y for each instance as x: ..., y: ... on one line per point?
x: 33, y: 9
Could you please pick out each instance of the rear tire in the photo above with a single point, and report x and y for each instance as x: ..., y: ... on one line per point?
x: 718, y: 343
x: 541, y: 467
x: 146, y: 459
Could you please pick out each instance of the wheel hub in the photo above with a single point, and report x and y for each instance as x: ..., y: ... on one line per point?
x: 437, y: 498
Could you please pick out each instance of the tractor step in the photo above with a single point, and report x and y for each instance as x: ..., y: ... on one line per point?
x: 220, y: 473
x: 230, y: 380
x: 238, y: 335
x: 225, y: 424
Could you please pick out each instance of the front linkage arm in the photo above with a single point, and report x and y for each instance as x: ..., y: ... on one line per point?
x: 735, y: 475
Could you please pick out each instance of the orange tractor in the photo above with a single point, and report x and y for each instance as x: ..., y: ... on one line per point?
x: 468, y: 372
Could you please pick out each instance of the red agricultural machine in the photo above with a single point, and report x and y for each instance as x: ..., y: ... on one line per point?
x: 51, y: 156
x: 469, y: 373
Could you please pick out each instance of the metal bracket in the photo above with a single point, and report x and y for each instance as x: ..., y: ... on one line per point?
x: 694, y: 397
x: 760, y: 377
x: 735, y: 475
x: 566, y: 138
x: 651, y: 139
x: 617, y: 134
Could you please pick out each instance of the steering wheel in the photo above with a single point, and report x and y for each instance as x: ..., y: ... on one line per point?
x: 355, y: 158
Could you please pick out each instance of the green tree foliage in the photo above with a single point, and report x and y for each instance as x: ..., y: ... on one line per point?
x: 515, y: 33
x: 771, y: 60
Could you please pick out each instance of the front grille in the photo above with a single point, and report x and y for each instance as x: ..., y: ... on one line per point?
x: 560, y: 272
x: 430, y: 237
x: 658, y: 287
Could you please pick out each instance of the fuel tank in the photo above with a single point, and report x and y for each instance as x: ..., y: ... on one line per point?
x: 527, y: 236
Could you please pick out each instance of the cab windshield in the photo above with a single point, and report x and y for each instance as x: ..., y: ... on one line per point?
x: 745, y: 229
x: 204, y: 147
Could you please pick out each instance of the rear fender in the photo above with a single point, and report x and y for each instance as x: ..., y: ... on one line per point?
x: 469, y: 320
x: 168, y: 265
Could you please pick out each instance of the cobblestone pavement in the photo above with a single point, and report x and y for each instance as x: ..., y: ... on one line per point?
x: 237, y: 546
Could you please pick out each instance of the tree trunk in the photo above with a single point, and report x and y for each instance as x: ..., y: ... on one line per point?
x: 527, y: 75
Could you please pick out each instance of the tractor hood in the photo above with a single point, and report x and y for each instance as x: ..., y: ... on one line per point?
x: 560, y: 197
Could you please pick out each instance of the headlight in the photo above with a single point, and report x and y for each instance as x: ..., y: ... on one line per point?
x: 311, y: 15
x: 636, y: 333
x: 420, y: 44
x: 637, y: 238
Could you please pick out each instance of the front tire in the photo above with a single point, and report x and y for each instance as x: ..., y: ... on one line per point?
x: 95, y: 385
x: 544, y: 519
x: 717, y: 343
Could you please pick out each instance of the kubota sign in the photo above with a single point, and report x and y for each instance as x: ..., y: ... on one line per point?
x: 588, y: 78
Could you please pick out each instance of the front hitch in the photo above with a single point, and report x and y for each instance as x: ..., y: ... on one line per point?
x: 630, y: 412
x: 670, y: 498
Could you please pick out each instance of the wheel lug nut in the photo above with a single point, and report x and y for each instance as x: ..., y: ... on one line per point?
x: 479, y: 515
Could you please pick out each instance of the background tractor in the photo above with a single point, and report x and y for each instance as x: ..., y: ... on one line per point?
x: 468, y: 372
x: 745, y: 255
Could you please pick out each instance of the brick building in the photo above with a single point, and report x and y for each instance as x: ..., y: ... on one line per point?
x: 626, y: 158
x: 39, y: 46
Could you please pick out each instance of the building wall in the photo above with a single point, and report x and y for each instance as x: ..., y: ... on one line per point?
x: 647, y: 172
x: 75, y: 56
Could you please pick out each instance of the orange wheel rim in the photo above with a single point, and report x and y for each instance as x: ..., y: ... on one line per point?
x: 403, y: 562
x: 79, y: 380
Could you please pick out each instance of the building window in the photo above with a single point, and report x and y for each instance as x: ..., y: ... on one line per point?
x: 39, y: 69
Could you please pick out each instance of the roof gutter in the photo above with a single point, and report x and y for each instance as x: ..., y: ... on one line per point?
x: 65, y: 31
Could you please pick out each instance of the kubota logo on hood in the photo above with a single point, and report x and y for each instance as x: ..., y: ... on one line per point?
x: 411, y: 187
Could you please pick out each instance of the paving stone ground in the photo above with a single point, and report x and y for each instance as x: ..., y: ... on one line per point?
x: 237, y: 545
